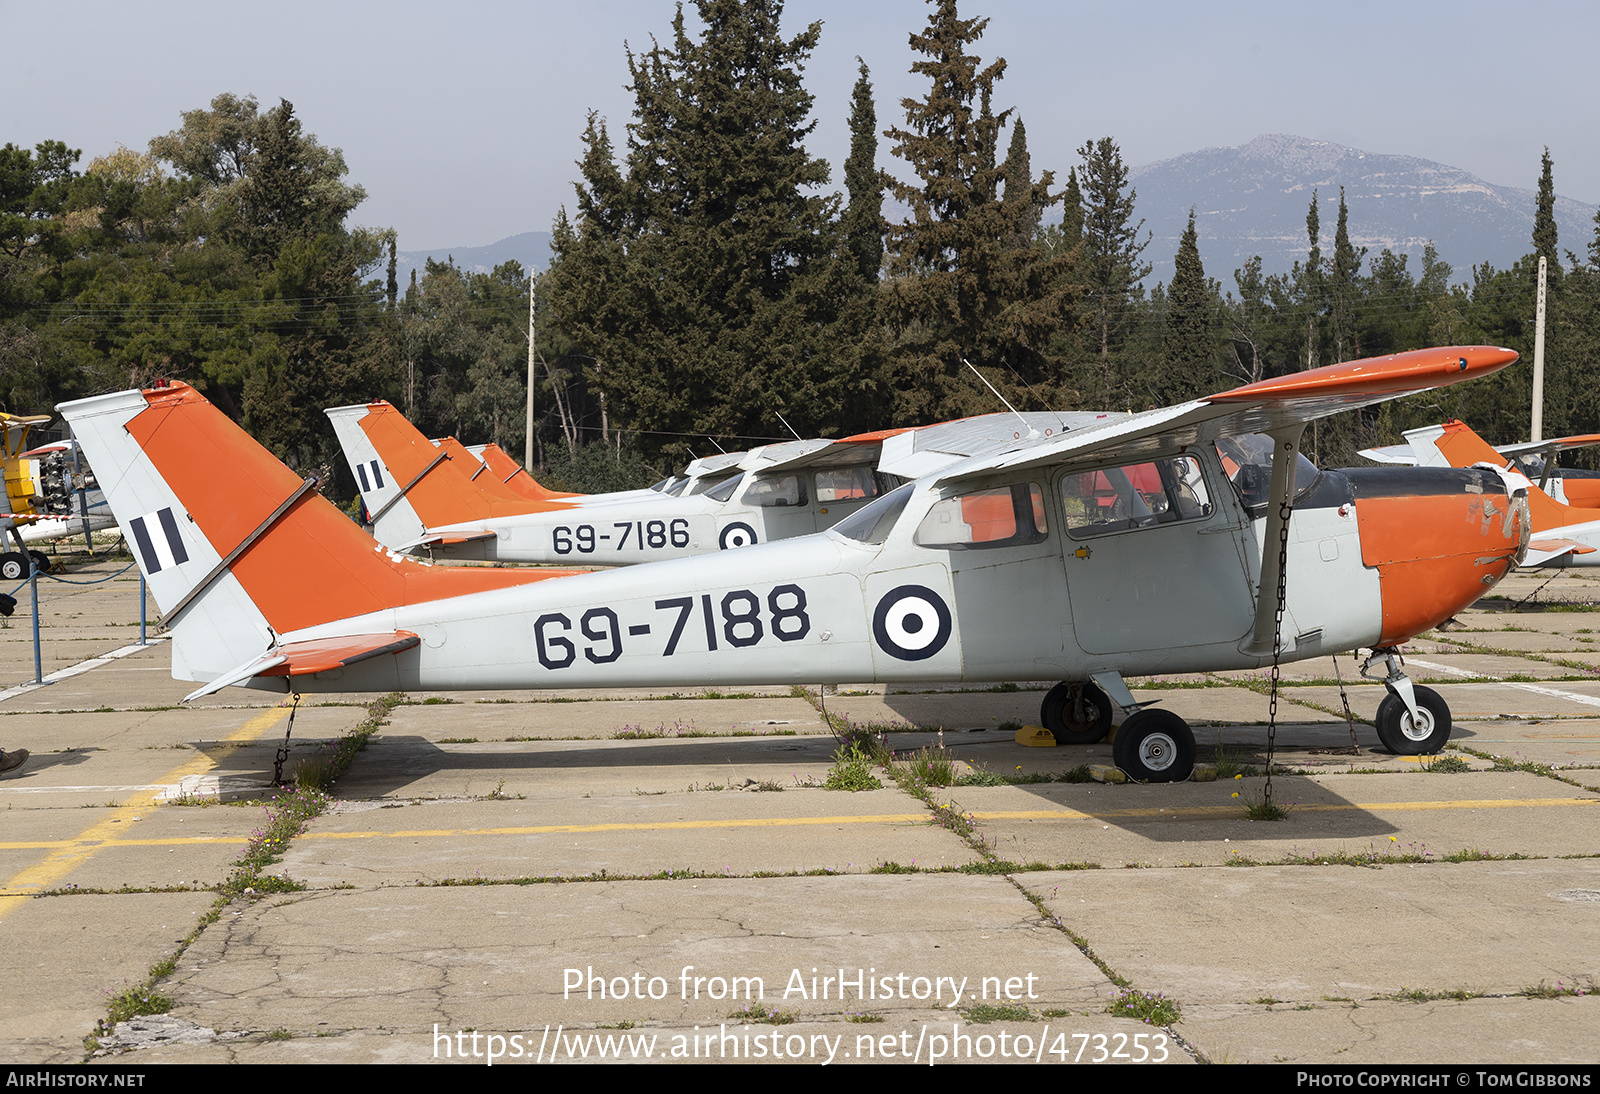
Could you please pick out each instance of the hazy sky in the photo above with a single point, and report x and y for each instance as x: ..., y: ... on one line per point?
x: 463, y: 121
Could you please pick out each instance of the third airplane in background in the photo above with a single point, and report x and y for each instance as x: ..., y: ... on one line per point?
x: 1563, y: 534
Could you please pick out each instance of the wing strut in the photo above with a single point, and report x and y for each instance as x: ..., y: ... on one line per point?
x: 390, y: 504
x: 1285, y: 455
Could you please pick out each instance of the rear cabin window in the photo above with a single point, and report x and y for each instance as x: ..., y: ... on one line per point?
x: 1002, y: 517
x: 1139, y: 495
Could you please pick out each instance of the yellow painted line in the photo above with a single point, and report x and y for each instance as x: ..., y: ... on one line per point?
x: 71, y: 853
x: 657, y: 826
x: 1233, y: 810
x: 882, y: 818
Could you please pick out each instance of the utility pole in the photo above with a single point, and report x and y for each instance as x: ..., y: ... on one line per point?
x: 527, y: 439
x: 1538, y: 360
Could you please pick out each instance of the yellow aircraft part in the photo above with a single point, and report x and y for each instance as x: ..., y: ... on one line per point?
x: 21, y: 486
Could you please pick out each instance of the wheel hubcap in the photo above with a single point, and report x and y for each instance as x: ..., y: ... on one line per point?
x: 1419, y: 729
x: 1158, y: 752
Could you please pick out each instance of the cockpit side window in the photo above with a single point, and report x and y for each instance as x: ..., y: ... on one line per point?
x: 845, y: 484
x: 1140, y: 495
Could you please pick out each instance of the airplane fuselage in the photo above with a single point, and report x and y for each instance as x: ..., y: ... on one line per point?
x: 1038, y: 576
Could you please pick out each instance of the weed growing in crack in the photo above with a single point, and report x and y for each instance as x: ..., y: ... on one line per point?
x: 1151, y: 1007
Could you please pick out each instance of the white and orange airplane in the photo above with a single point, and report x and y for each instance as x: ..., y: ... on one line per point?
x: 1564, y: 534
x: 1125, y: 548
x: 1574, y: 486
x: 434, y: 497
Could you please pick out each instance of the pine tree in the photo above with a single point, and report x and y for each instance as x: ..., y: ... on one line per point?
x: 959, y: 288
x: 1188, y: 347
x: 1112, y: 264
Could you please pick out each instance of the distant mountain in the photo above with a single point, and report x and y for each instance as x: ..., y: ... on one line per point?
x: 532, y: 249
x: 1253, y: 200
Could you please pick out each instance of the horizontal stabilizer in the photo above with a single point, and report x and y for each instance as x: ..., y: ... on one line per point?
x: 313, y: 656
x: 449, y: 539
x: 1541, y: 551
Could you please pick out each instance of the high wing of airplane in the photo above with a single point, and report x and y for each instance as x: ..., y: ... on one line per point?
x: 1563, y: 535
x: 1124, y: 548
x: 724, y: 501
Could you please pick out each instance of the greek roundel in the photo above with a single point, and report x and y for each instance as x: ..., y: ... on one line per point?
x: 911, y: 623
x: 737, y: 534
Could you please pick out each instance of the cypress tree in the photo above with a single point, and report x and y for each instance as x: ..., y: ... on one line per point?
x: 1343, y: 270
x: 1188, y: 349
x: 1544, y: 218
x: 863, y: 217
x: 1019, y: 189
x: 1112, y: 264
x: 1309, y: 282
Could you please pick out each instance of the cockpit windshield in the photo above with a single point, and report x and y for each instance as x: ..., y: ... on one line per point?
x: 873, y: 522
x: 1247, y: 459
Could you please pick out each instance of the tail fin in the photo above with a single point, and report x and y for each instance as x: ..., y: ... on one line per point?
x: 238, y: 551
x: 411, y: 485
x: 1454, y: 444
x: 513, y: 475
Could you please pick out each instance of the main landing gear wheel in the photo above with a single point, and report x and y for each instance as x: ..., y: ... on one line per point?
x: 13, y: 566
x: 1076, y: 714
x: 1407, y: 737
x: 1155, y: 746
x: 40, y: 560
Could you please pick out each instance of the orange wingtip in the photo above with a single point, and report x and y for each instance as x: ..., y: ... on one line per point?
x: 1396, y: 373
x: 324, y: 654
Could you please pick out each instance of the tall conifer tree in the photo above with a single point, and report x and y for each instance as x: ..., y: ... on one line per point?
x: 1188, y: 348
x: 1544, y: 218
x: 1112, y: 264
x: 959, y: 288
x: 704, y: 300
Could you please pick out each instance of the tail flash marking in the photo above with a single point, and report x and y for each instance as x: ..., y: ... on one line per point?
x: 158, y: 551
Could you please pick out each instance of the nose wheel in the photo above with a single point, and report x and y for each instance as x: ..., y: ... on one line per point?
x: 1076, y: 713
x: 1155, y: 746
x: 1422, y: 735
x: 1412, y: 720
